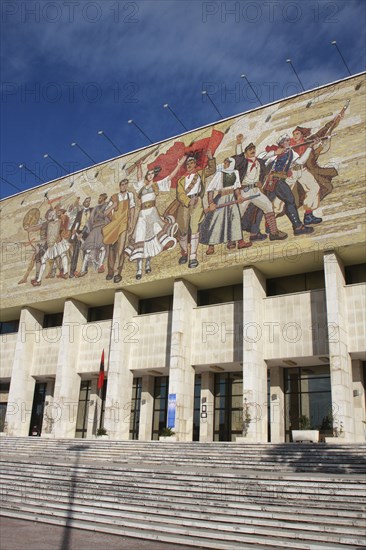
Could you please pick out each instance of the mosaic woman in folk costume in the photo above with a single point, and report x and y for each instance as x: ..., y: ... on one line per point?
x: 152, y: 234
x: 222, y: 223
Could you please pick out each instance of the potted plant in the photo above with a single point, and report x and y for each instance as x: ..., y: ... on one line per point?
x: 337, y: 431
x: 102, y: 433
x: 167, y: 434
x: 305, y: 433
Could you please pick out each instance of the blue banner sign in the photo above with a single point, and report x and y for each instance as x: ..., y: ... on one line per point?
x: 172, y: 406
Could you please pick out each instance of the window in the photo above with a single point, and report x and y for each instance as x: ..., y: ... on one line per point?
x: 220, y: 295
x: 53, y: 320
x: 355, y: 274
x: 39, y: 399
x: 4, y: 395
x: 7, y: 327
x: 155, y: 305
x: 197, y: 408
x: 135, y: 408
x: 295, y: 283
x: 102, y: 313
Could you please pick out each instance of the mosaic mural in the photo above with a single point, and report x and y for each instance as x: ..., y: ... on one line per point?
x: 240, y: 191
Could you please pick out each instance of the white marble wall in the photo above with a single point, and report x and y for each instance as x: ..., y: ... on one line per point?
x: 339, y: 357
x: 355, y: 296
x: 254, y: 365
x: 149, y: 335
x: 22, y: 384
x: 181, y: 371
x: 7, y: 351
x: 120, y: 376
x: 147, y: 405
x: 67, y: 385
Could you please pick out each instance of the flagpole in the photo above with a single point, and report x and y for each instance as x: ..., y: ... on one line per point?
x: 100, y: 387
x: 101, y: 408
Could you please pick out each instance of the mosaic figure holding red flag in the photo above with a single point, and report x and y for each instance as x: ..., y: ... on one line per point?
x: 187, y: 208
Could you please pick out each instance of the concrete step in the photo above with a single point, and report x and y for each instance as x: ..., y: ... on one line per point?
x: 312, y: 492
x: 189, y: 531
x: 222, y: 496
x: 331, y: 514
x: 194, y: 511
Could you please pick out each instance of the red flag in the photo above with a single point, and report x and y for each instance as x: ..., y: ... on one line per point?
x: 168, y: 161
x: 101, y: 373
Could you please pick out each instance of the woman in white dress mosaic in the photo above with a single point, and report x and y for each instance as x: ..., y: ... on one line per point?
x: 152, y: 233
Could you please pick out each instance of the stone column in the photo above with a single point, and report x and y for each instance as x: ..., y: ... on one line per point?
x: 254, y: 365
x: 146, y: 410
x: 21, y: 391
x: 120, y: 378
x: 67, y: 386
x: 359, y: 400
x: 181, y: 372
x: 207, y: 393
x: 277, y: 405
x: 339, y: 358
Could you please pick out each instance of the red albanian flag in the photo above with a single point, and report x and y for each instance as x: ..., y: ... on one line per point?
x: 101, y: 373
x: 168, y: 161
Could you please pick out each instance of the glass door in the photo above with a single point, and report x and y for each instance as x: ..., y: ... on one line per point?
x: 135, y: 408
x: 228, y: 413
x: 38, y: 409
x: 160, y: 405
x: 308, y: 400
x: 83, y: 409
x: 197, y: 408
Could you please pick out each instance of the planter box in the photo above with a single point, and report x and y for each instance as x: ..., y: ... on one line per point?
x: 167, y: 438
x: 305, y: 435
x: 102, y: 436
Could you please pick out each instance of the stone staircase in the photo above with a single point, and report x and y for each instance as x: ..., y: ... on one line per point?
x: 209, y: 495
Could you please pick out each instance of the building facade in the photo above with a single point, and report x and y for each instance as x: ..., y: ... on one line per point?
x: 222, y: 272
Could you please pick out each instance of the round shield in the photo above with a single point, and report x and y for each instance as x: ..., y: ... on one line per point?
x: 31, y: 218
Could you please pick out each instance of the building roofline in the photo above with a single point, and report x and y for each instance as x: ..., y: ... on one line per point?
x: 211, y: 124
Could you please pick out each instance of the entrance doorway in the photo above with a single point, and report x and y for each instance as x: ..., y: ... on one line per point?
x: 83, y: 409
x: 38, y: 409
x: 135, y: 408
x: 160, y: 412
x: 308, y: 400
x: 197, y: 407
x: 228, y: 412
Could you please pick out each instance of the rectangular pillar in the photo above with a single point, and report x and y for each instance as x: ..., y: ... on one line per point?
x: 181, y: 372
x: 277, y: 405
x: 120, y: 377
x: 146, y: 409
x: 254, y: 365
x: 339, y: 358
x: 21, y: 391
x: 359, y: 401
x: 67, y: 385
x: 208, y: 399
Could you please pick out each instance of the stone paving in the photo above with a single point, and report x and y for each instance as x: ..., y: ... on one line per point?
x: 17, y: 534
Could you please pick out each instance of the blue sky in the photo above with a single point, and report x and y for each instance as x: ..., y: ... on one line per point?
x: 71, y: 68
